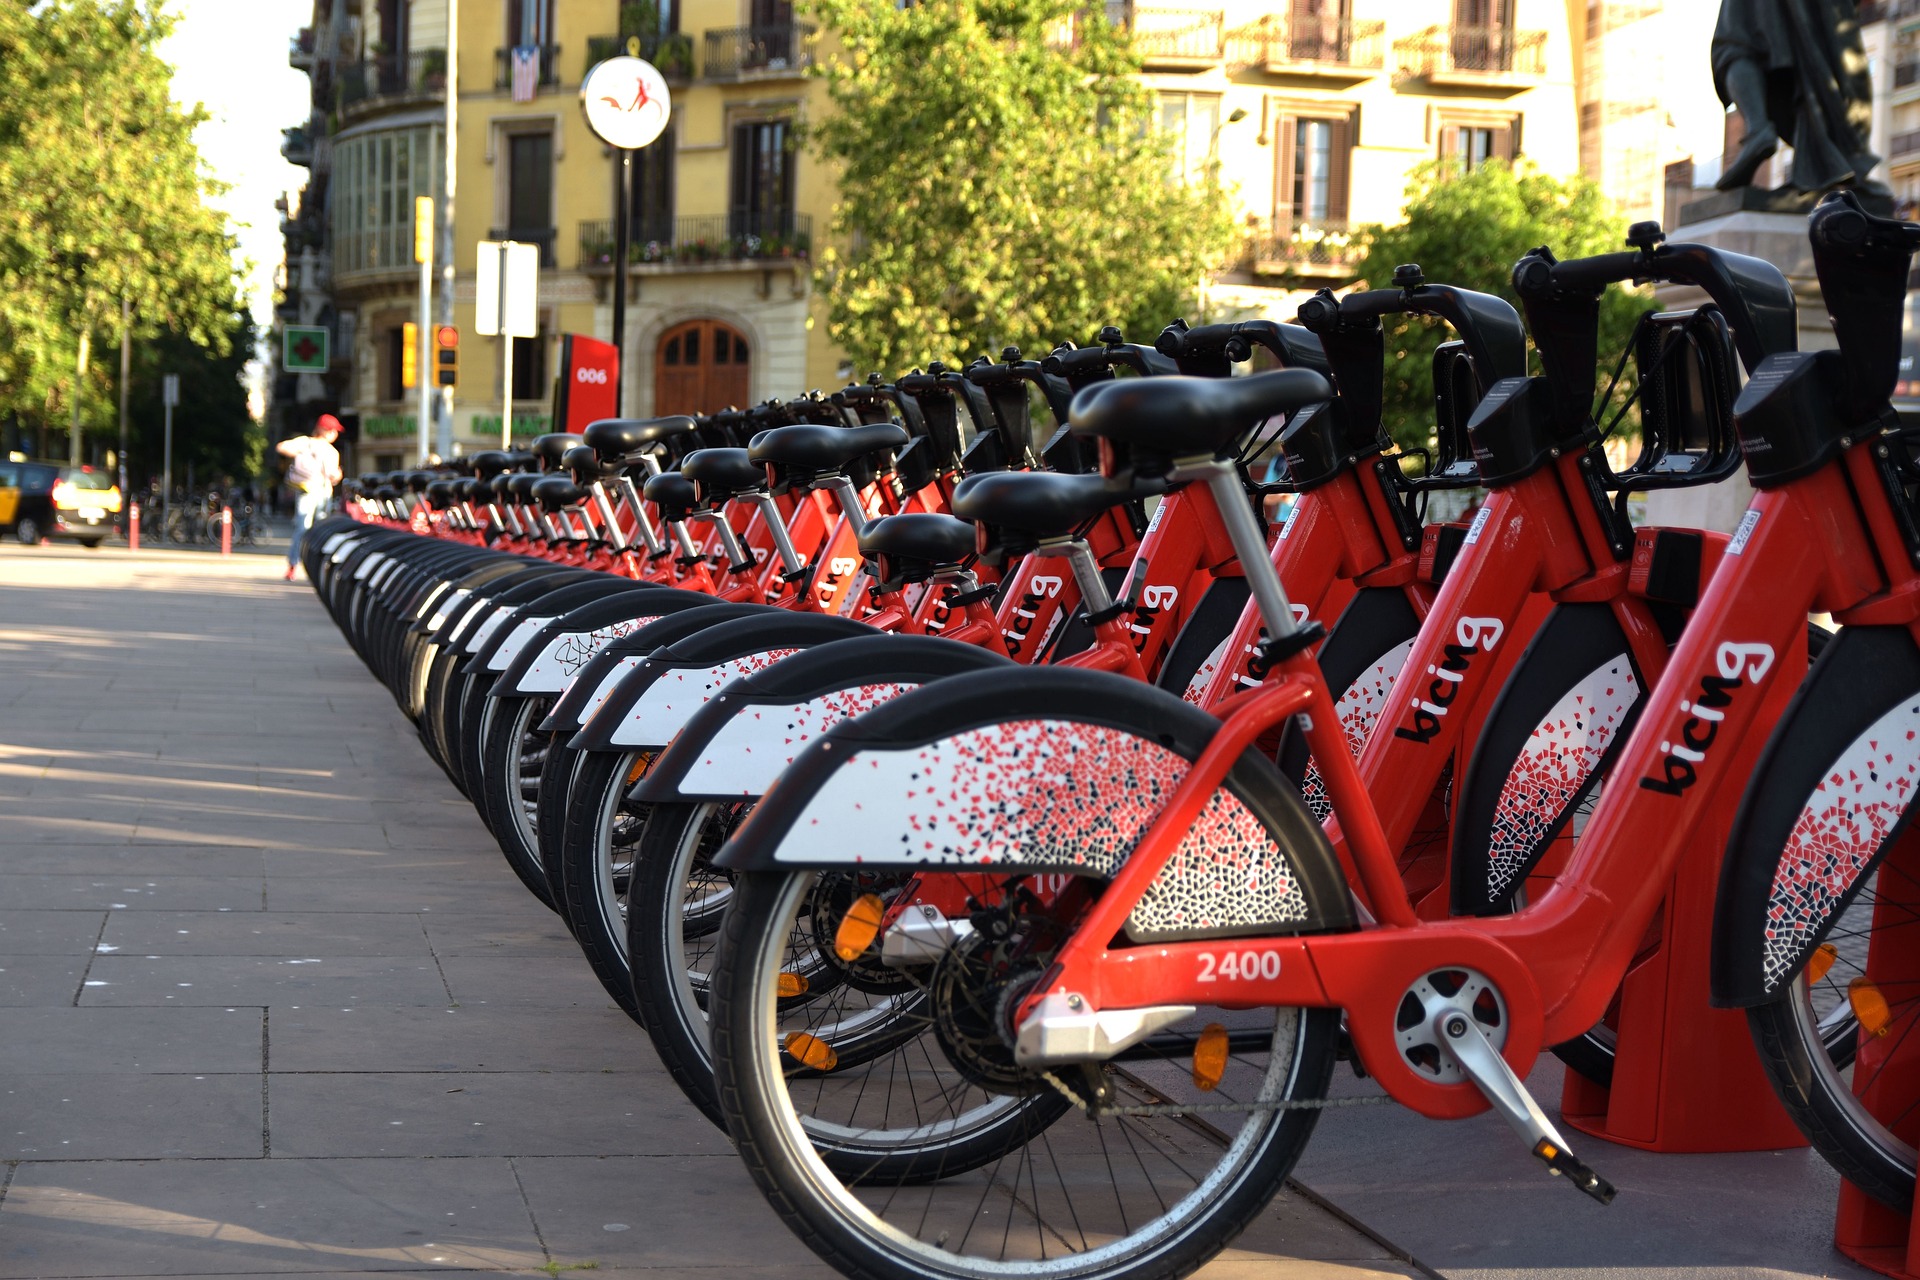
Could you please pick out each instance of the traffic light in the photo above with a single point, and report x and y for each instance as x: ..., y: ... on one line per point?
x: 409, y: 355
x: 423, y: 228
x: 446, y: 356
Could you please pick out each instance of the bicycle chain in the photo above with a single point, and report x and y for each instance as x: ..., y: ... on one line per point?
x: 1209, y: 1108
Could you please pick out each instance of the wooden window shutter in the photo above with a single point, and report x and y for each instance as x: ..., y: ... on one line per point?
x: 1449, y: 141
x: 1339, y: 156
x: 1283, y: 174
x: 1500, y: 145
x: 742, y: 165
x: 1514, y: 143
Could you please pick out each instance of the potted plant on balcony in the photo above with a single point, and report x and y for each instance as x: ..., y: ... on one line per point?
x: 433, y: 70
x: 674, y: 58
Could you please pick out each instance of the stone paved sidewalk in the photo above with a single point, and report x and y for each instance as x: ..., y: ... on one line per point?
x: 272, y: 1003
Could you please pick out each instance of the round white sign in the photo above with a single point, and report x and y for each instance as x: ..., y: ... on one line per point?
x: 626, y: 102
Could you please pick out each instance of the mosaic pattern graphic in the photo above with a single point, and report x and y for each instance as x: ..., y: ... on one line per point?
x: 566, y: 654
x: 1050, y: 795
x: 1559, y: 758
x: 1845, y: 821
x: 751, y: 749
x: 663, y: 710
x: 1197, y: 687
x: 1359, y: 708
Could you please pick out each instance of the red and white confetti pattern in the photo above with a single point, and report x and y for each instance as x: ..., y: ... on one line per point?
x: 1842, y: 827
x: 668, y: 702
x: 1359, y: 708
x: 751, y: 749
x: 1050, y: 795
x: 563, y: 656
x: 1555, y: 765
x: 1197, y: 687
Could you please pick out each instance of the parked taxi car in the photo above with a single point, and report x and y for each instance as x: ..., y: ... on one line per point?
x: 42, y: 500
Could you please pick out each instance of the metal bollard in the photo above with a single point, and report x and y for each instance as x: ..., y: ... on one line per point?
x: 133, y: 526
x: 226, y: 531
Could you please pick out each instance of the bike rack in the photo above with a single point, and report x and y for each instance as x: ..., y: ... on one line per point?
x: 1685, y: 1075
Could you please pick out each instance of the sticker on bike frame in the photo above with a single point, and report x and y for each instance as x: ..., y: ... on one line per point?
x: 1554, y: 766
x: 1738, y: 542
x: 1480, y: 519
x: 751, y: 749
x: 666, y: 705
x: 1286, y: 521
x: 1851, y: 813
x: 567, y: 654
x: 516, y: 640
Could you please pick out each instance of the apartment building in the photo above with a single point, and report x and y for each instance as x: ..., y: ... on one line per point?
x: 1313, y: 112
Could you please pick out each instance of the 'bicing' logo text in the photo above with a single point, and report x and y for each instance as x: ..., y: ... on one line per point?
x: 1430, y: 705
x: 1734, y: 666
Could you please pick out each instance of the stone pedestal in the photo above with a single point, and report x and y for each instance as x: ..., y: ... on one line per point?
x: 1779, y: 238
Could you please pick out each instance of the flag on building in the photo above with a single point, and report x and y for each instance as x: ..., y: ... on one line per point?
x: 526, y: 71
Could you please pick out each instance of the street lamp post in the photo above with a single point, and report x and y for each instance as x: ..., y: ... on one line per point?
x: 627, y: 107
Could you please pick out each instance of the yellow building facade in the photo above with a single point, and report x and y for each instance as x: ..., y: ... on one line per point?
x: 1314, y: 113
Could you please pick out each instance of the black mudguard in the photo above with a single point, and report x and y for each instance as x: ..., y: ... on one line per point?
x: 1831, y: 794
x: 1050, y: 771
x: 653, y: 702
x: 1556, y: 725
x: 1205, y: 633
x: 739, y: 741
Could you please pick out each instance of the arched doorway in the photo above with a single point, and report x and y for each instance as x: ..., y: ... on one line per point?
x: 700, y: 366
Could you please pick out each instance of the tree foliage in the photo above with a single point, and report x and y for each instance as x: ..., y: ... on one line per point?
x: 1002, y: 180
x: 1468, y: 229
x: 212, y: 429
x: 102, y: 197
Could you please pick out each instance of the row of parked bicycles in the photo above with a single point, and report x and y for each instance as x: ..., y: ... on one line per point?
x: 1004, y: 831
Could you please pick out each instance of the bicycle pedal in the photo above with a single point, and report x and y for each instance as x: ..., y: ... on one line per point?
x: 1562, y: 1163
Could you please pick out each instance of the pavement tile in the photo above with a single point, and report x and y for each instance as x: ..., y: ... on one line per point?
x: 130, y: 892
x: 163, y: 1039
x: 532, y: 930
x: 141, y: 860
x: 266, y: 1217
x: 670, y: 1209
x: 411, y: 892
x: 549, y: 981
x: 263, y: 933
x: 40, y: 980
x: 485, y: 1113
x: 53, y: 933
x: 128, y: 979
x: 126, y: 1116
x: 470, y: 1038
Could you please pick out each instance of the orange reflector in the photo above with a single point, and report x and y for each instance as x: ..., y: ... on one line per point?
x: 639, y: 770
x: 791, y: 985
x: 859, y: 928
x: 809, y: 1051
x: 1210, y: 1057
x: 1820, y: 961
x: 1876, y: 1019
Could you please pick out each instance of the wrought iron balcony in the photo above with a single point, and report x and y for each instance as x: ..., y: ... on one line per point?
x: 389, y: 78
x: 671, y: 53
x: 1337, y: 47
x: 296, y: 145
x: 1172, y: 38
x: 300, y: 50
x: 759, y: 52
x: 1905, y: 74
x: 1317, y: 248
x: 542, y: 236
x: 744, y: 236
x: 547, y: 74
x: 1474, y: 56
x: 1904, y: 146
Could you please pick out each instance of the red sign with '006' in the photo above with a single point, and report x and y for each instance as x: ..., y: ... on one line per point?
x: 583, y: 393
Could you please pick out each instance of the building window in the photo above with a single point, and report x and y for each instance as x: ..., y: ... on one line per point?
x: 650, y: 203
x: 530, y: 366
x: 1192, y: 123
x: 1313, y: 160
x: 529, y: 22
x: 392, y: 358
x: 376, y: 176
x: 1473, y: 140
x: 762, y: 188
x: 530, y: 180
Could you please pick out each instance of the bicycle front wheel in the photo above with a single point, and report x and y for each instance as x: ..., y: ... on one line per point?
x: 907, y: 1166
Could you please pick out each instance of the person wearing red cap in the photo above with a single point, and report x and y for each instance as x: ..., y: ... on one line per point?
x: 314, y: 470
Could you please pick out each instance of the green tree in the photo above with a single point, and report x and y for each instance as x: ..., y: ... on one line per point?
x: 212, y: 428
x: 1001, y: 181
x: 102, y: 197
x: 1468, y: 229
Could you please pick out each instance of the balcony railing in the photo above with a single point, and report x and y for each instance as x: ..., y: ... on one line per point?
x: 542, y: 236
x: 742, y: 51
x: 1172, y: 36
x: 1904, y: 145
x: 1472, y: 54
x: 1905, y: 73
x: 1317, y: 247
x: 547, y: 74
x: 743, y: 236
x: 411, y: 75
x: 296, y: 145
x: 300, y: 49
x: 1276, y: 43
x: 671, y: 52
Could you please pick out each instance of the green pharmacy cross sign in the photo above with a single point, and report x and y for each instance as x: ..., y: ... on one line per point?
x: 304, y: 349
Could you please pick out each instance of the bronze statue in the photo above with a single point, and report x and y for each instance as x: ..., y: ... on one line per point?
x: 1797, y: 73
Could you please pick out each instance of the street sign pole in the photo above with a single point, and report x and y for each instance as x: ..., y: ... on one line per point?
x: 627, y: 106
x: 449, y: 154
x: 169, y: 397
x: 506, y: 304
x: 423, y: 231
